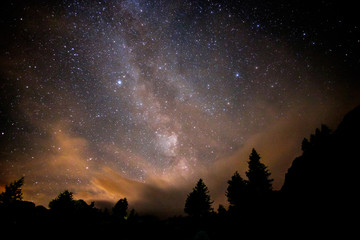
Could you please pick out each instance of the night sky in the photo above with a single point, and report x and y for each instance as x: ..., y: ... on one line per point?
x: 140, y: 98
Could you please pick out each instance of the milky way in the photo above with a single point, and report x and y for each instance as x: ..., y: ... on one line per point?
x: 115, y: 99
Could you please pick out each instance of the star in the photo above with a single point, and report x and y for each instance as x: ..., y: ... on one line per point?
x: 156, y: 91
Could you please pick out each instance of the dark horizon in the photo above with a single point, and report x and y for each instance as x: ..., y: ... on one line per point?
x: 140, y: 99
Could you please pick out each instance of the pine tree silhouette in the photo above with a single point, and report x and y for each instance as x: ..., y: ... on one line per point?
x: 259, y: 182
x: 236, y: 191
x: 198, y: 203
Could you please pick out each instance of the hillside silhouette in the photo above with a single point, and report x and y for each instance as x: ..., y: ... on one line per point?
x: 326, y: 163
x: 325, y: 170
x: 316, y: 199
x: 321, y: 184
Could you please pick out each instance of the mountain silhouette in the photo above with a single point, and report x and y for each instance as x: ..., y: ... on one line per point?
x: 326, y: 166
x: 320, y: 187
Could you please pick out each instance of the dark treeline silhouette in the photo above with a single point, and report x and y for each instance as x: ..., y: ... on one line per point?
x: 316, y: 199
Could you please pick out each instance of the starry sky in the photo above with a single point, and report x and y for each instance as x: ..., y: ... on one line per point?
x: 140, y: 98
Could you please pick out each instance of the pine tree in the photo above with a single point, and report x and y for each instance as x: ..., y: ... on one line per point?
x: 258, y: 175
x: 13, y: 192
x: 236, y: 191
x: 198, y: 203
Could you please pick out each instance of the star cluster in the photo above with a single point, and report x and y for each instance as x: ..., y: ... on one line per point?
x: 94, y: 91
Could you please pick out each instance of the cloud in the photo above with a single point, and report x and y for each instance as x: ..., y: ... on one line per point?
x: 278, y: 144
x: 65, y: 162
x: 60, y: 164
x: 61, y: 161
x: 156, y: 196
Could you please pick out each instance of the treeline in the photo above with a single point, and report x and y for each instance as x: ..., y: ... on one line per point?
x: 77, y: 216
x: 198, y: 202
x: 239, y: 191
x: 317, y: 197
x: 64, y: 209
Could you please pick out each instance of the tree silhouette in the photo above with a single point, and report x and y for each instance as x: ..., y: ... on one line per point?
x: 65, y: 208
x: 319, y: 139
x: 63, y: 202
x: 258, y: 175
x: 236, y: 191
x: 120, y: 209
x: 198, y: 203
x: 221, y: 210
x: 12, y: 192
x: 133, y: 216
x: 305, y: 145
